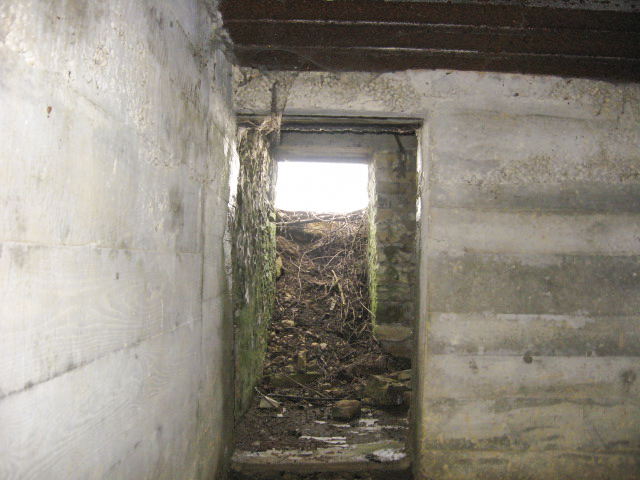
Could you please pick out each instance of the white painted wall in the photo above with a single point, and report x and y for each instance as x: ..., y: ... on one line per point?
x: 115, y: 152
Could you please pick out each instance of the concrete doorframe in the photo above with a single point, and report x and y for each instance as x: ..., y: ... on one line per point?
x: 361, y: 152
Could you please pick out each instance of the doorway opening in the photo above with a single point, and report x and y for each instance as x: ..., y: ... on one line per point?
x: 322, y: 187
x: 335, y: 386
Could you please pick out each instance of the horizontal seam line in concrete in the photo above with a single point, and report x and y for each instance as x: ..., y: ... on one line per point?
x: 472, y: 112
x: 566, y: 212
x: 600, y: 401
x: 556, y: 316
x: 631, y: 451
x: 464, y: 251
x: 552, y: 399
x: 97, y: 247
x: 99, y: 357
x: 489, y: 357
x: 516, y: 355
x: 434, y: 183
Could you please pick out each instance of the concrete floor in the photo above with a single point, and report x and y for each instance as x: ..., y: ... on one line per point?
x: 363, y: 449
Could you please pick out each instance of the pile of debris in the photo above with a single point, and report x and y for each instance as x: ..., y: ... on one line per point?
x: 323, y: 357
x: 322, y: 343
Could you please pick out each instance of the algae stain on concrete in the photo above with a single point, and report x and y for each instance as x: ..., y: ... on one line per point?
x: 254, y: 263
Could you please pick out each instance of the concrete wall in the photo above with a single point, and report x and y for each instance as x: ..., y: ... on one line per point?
x: 114, y: 164
x: 253, y: 256
x: 528, y: 332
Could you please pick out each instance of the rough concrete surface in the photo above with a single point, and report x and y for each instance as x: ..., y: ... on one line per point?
x: 253, y: 255
x: 529, y: 267
x: 117, y: 143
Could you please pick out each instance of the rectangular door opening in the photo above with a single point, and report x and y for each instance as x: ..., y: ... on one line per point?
x: 337, y: 378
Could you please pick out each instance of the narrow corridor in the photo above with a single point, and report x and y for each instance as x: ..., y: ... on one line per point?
x: 331, y: 398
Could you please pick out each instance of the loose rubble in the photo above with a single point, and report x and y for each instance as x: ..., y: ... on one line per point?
x: 324, y: 364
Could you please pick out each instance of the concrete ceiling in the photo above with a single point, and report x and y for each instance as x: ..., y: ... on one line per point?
x: 583, y: 38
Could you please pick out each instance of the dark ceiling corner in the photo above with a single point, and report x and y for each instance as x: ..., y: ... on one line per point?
x: 586, y: 38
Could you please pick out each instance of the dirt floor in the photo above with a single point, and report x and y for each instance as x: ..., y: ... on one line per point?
x: 322, y: 347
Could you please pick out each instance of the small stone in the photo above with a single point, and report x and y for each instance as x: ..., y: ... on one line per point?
x: 386, y: 455
x: 323, y: 345
x: 345, y: 409
x: 288, y: 323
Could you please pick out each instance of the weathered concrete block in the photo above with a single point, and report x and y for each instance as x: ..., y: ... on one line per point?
x: 546, y: 335
x: 608, y: 380
x: 530, y: 150
x: 460, y: 230
x: 509, y: 465
x: 546, y: 284
x: 571, y: 197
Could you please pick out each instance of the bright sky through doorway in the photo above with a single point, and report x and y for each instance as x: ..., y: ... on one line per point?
x: 322, y: 187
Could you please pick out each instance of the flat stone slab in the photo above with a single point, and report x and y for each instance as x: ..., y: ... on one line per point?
x: 387, y: 456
